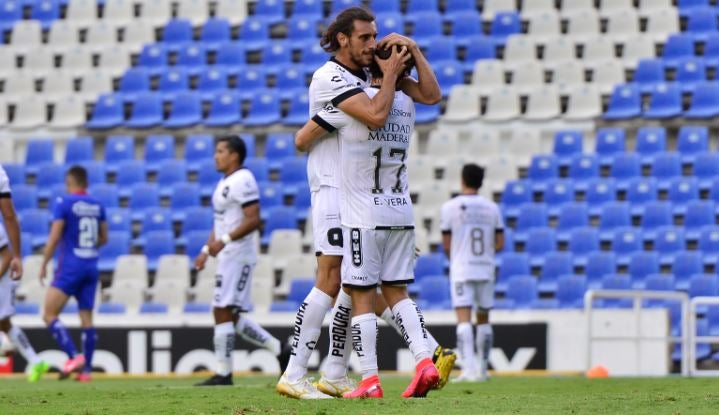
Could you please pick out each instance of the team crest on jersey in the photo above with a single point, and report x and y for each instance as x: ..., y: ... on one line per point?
x: 336, y: 78
x: 225, y: 191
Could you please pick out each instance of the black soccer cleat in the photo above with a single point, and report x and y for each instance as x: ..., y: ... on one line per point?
x: 217, y: 380
x: 284, y: 357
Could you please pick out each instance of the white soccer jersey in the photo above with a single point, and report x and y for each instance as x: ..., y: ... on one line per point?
x: 473, y: 221
x: 4, y: 183
x: 374, y: 193
x: 231, y: 195
x: 331, y: 84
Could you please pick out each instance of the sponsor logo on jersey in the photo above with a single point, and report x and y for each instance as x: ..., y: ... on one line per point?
x: 356, y: 245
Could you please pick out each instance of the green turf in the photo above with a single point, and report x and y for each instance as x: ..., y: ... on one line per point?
x: 255, y: 395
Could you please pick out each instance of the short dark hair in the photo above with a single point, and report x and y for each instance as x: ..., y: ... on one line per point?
x: 79, y: 175
x: 376, y: 71
x: 343, y: 23
x: 236, y: 145
x: 472, y: 175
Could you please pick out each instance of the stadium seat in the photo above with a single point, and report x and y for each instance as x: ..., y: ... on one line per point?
x: 656, y: 214
x: 650, y: 142
x: 208, y: 177
x: 48, y: 176
x: 703, y: 285
x: 45, y: 12
x: 540, y: 241
x: 641, y: 191
x: 302, y: 28
x: 24, y: 197
x: 665, y: 102
x: 609, y: 143
x: 107, y: 113
x: 699, y: 213
x: 158, y: 243
x: 212, y: 82
x: 515, y: 195
x: 128, y: 293
x: 567, y: 144
x: 106, y: 194
x: 290, y: 81
x: 570, y: 291
x: 613, y: 215
x: 513, y: 264
x: 649, y: 74
x: 625, y: 166
x: 542, y: 169
x: 505, y: 24
x: 173, y: 82
x: 182, y: 197
x: 616, y: 282
x: 681, y: 191
x: 36, y: 222
x: 667, y: 242
x: 193, y: 241
x: 158, y: 148
x: 624, y: 103
x: 259, y: 167
x: 225, y: 110
x: 293, y: 172
x: 556, y: 265
x: 522, y: 291
x: 299, y: 288
x: 705, y: 168
x: 198, y: 218
x: 677, y: 48
x: 253, y: 33
x: 146, y: 112
x: 278, y: 217
x: 599, y: 264
x: 264, y: 110
x: 530, y: 216
x: 170, y: 172
x: 686, y: 264
x: 583, y: 241
x: 129, y: 173
x: 118, y: 243
x: 692, y: 140
x: 198, y: 147
x: 431, y: 28
x: 704, y: 102
x: 143, y: 196
x: 557, y: 193
x: 572, y: 215
x: 118, y: 148
x: 230, y: 57
x: 118, y: 220
x: 428, y: 265
x: 297, y: 114
x: 40, y: 151
x: 582, y: 168
x: 153, y: 58
x: 186, y: 111
x: 279, y: 146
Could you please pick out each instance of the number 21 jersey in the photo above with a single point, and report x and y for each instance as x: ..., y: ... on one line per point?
x: 472, y: 220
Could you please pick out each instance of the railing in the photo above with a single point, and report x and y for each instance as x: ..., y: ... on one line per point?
x: 694, y: 338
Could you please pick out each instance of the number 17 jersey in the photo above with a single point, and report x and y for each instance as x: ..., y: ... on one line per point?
x: 472, y: 221
x: 374, y: 193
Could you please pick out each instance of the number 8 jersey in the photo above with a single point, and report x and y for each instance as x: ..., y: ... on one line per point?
x: 374, y: 193
x: 472, y: 220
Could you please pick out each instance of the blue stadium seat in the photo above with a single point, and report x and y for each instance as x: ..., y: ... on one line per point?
x: 111, y: 308
x: 129, y: 173
x: 388, y: 23
x: 156, y: 219
x: 36, y: 223
x: 641, y: 191
x: 338, y: 5
x: 24, y: 197
x: 254, y: 32
x: 625, y: 166
x: 158, y: 243
x: 275, y: 55
x: 705, y: 169
x: 193, y: 241
x: 681, y: 191
x: 522, y: 291
x: 251, y: 80
x: 208, y: 177
x: 699, y: 213
x: 78, y: 150
x: 701, y: 21
x: 677, y: 48
x: 440, y: 50
x: 249, y: 140
x: 157, y: 149
x: 108, y: 112
x: 505, y: 24
x: 625, y: 242
x: 313, y: 56
x: 225, y: 110
x: 429, y: 26
x: 177, y: 34
x: 309, y: 8
x: 704, y: 102
x: 650, y: 142
x: 567, y: 145
x: 477, y: 48
x: 686, y: 264
x: 686, y: 6
x: 153, y: 58
x: 278, y: 217
x: 557, y: 193
x: 572, y: 215
x: 118, y: 220
x: 668, y: 241
x: 428, y: 265
x: 284, y: 307
x: 583, y: 167
x: 46, y: 12
x: 170, y: 172
x: 542, y: 169
x: 291, y: 81
x: 709, y: 244
x: 610, y: 142
x: 513, y: 264
x: 96, y: 171
x: 693, y: 140
x: 556, y: 265
x: 212, y: 82
x: 299, y: 107
x: 270, y: 12
x: 10, y: 12
x: 711, y: 50
x: 279, y: 146
x: 301, y: 30
x: 583, y: 241
x: 385, y: 6
x: 293, y: 172
x: 540, y: 241
x: 649, y: 74
x: 151, y: 307
x: 299, y: 288
x: 231, y: 57
x: 259, y: 167
x: 186, y: 111
x: 516, y: 193
x: 302, y: 200
x: 712, y: 316
x: 624, y: 103
x: 599, y: 264
x: 192, y: 59
x: 271, y: 195
x: 198, y: 147
x: 703, y: 285
x: 426, y: 113
x: 143, y: 196
x: 215, y: 32
x: 118, y: 148
x: 15, y: 173
x: 467, y: 26
x: 658, y: 282
x: 173, y: 82
x: 49, y: 175
x: 421, y: 6
x: 182, y: 197
x: 656, y: 214
x: 203, y: 308
x: 530, y: 216
x: 198, y: 218
x: 448, y: 75
x: 118, y: 243
x: 508, y: 242
x: 570, y: 291
x: 665, y: 102
x: 146, y: 112
x: 134, y: 83
x: 690, y: 74
x: 616, y: 282
x: 613, y: 215
x: 106, y: 194
x: 39, y: 152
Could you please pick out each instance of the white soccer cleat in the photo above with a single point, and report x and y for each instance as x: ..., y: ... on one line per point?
x: 302, y: 389
x: 336, y: 387
x: 466, y: 377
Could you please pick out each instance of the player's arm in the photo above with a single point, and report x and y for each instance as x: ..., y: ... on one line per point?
x: 12, y: 226
x: 445, y: 226
x: 201, y: 258
x: 374, y: 111
x: 424, y: 90
x: 498, y: 240
x: 309, y: 134
x: 102, y: 236
x: 447, y: 242
x: 56, y: 229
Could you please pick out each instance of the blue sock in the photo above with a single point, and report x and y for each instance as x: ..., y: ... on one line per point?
x: 89, y: 338
x: 62, y: 337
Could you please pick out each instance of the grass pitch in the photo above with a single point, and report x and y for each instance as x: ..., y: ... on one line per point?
x: 256, y: 395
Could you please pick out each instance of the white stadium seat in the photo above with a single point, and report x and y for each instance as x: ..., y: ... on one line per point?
x: 622, y: 25
x: 597, y: 50
x: 81, y: 13
x: 528, y: 77
x: 30, y: 113
x: 131, y: 293
x: 262, y: 293
x: 545, y: 26
x: 636, y: 49
x: 583, y: 25
x: 558, y: 51
x: 171, y: 293
x: 131, y: 267
x: 38, y: 62
x: 300, y: 266
x: 3, y: 124
x: 488, y: 75
x: 543, y: 104
x: 499, y: 170
x: 502, y: 105
x: 18, y: 87
x: 196, y: 11
x: 606, y: 75
x: 568, y: 74
x: 523, y: 145
x: 661, y: 23
x: 8, y: 64
x: 609, y: 7
x: 101, y: 36
x: 483, y: 144
x: 30, y: 288
x: 518, y: 50
x: 77, y: 61
x: 118, y: 13
x: 156, y: 12
x: 571, y: 7
x: 584, y: 103
x: 235, y: 11
x: 285, y: 243
x: 114, y: 61
x: 492, y: 7
x: 648, y: 6
x: 26, y: 34
x: 57, y: 85
x: 137, y: 34
x: 533, y: 8
x: 174, y: 268
x: 462, y: 104
x: 94, y: 83
x: 62, y: 36
x: 420, y: 169
x: 431, y: 198
x: 443, y: 143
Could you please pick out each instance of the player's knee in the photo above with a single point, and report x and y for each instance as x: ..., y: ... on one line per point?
x: 5, y: 325
x: 48, y: 317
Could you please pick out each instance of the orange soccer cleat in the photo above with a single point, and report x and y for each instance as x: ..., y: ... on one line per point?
x: 368, y: 388
x: 425, y: 378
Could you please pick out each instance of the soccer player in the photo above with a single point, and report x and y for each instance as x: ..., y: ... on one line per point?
x: 472, y: 232
x: 10, y: 272
x: 79, y: 228
x: 236, y: 203
x: 378, y: 224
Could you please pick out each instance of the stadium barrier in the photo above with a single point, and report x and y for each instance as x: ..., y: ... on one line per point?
x: 695, y: 338
x: 649, y: 344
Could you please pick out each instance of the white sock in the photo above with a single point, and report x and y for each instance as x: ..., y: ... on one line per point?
x: 308, y: 324
x: 224, y: 345
x: 411, y: 323
x: 255, y: 334
x: 364, y: 341
x: 485, y: 339
x: 340, y: 334
x: 465, y: 345
x: 22, y: 344
x: 388, y: 317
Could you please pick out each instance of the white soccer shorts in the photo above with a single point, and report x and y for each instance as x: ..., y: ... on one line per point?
x: 477, y: 294
x: 375, y: 257
x: 233, y: 282
x: 8, y: 286
x: 326, y: 224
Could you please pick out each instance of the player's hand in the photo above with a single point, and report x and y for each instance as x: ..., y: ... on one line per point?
x: 200, y: 261
x: 396, y: 62
x: 215, y: 247
x: 16, y: 268
x: 393, y: 39
x: 43, y: 274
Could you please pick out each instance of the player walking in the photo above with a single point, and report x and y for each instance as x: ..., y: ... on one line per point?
x: 237, y: 219
x: 472, y: 232
x: 10, y: 273
x: 79, y: 228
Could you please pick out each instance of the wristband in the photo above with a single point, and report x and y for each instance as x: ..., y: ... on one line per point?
x: 205, y: 250
x: 226, y: 239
